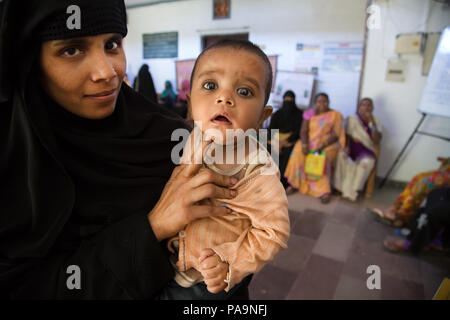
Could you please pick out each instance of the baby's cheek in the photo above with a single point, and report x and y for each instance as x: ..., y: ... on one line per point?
x: 249, y: 123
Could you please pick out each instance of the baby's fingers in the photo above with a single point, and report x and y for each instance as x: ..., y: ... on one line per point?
x: 207, y: 252
x: 209, y: 263
x: 216, y: 284
x: 216, y: 288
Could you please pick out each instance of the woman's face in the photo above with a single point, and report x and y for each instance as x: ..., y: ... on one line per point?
x: 321, y: 104
x: 365, y: 108
x: 288, y: 98
x: 84, y: 75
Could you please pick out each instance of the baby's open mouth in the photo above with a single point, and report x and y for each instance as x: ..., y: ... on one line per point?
x: 221, y: 119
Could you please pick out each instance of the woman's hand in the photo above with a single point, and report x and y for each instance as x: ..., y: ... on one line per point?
x: 178, y: 204
x: 366, y: 116
x: 376, y: 137
x: 347, y: 150
x: 305, y: 149
x: 328, y: 142
x: 284, y: 144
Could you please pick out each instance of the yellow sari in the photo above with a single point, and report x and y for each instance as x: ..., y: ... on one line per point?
x: 320, y: 128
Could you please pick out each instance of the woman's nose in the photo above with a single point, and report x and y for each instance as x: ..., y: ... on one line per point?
x: 103, y: 69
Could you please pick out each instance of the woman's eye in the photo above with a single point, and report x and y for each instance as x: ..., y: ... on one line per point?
x: 70, y: 52
x: 244, y: 92
x: 209, y: 86
x: 112, y: 45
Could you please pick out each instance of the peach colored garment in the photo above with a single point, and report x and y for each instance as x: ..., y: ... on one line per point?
x: 250, y: 236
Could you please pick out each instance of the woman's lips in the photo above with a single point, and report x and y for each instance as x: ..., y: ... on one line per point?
x: 103, y: 96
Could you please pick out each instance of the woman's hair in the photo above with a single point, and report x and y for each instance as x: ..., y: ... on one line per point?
x: 289, y: 93
x: 363, y: 99
x: 361, y: 102
x: 144, y: 68
x: 242, y: 45
x: 321, y: 94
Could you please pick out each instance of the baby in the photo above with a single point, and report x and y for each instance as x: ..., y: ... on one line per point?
x: 230, y: 86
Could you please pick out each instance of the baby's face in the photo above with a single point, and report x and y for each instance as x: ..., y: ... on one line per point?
x: 228, y: 90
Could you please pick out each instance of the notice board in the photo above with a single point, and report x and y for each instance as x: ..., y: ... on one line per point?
x: 436, y: 94
x: 160, y: 45
x: 300, y: 83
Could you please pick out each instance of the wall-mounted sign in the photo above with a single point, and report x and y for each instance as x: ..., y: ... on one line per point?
x: 160, y: 45
x: 342, y: 56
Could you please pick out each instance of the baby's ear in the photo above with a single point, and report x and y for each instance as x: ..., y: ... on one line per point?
x: 189, y: 110
x: 266, y: 113
x: 188, y: 97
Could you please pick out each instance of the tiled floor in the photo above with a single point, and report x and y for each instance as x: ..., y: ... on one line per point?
x: 330, y: 248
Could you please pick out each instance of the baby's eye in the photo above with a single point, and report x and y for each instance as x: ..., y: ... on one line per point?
x: 71, y: 52
x: 244, y: 92
x: 209, y: 85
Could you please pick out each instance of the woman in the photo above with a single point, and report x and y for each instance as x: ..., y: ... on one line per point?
x: 144, y: 84
x: 409, y: 201
x: 86, y: 161
x: 181, y: 105
x: 168, y: 96
x: 321, y: 131
x: 429, y: 228
x: 288, y: 120
x: 354, y: 166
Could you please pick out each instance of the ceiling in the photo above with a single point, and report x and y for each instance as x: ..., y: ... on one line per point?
x: 140, y: 3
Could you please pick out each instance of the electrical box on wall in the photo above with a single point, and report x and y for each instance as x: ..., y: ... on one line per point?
x: 395, y: 70
x: 408, y: 43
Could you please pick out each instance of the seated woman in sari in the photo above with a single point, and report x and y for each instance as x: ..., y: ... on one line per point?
x: 322, y: 130
x: 400, y: 213
x: 354, y: 166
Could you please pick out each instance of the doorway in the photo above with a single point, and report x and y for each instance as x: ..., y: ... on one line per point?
x: 209, y: 40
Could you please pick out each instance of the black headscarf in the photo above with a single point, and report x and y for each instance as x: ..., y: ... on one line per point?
x: 288, y: 118
x: 144, y: 84
x: 64, y: 177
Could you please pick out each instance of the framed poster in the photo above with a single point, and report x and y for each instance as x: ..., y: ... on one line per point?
x: 183, y: 70
x: 221, y: 9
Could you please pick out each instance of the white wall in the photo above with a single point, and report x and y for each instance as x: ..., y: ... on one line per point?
x: 276, y: 25
x: 396, y: 103
x: 279, y: 25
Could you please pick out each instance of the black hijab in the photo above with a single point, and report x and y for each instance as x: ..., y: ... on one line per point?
x: 144, y: 84
x: 64, y: 177
x: 288, y: 118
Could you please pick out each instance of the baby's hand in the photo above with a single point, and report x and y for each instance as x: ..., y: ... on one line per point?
x: 213, y: 270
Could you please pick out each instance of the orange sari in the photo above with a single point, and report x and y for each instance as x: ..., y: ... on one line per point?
x: 409, y: 201
x: 320, y: 128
